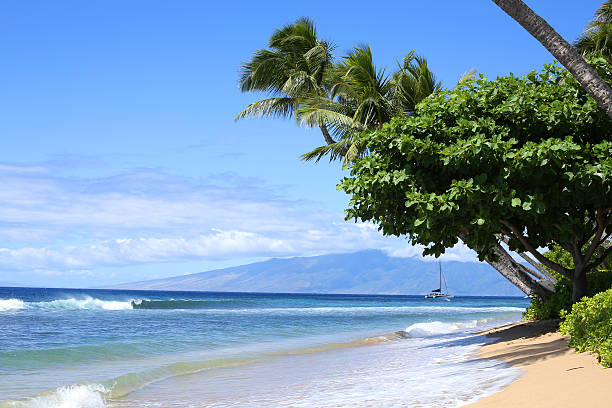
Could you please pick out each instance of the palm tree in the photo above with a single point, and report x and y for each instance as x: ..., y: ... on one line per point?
x: 298, y: 73
x: 293, y: 67
x: 564, y: 52
x: 414, y: 82
x: 598, y: 35
x: 363, y: 97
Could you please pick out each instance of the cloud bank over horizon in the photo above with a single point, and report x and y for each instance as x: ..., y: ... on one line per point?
x: 56, y: 224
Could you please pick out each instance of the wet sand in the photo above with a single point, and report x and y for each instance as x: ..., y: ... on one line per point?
x: 555, y: 375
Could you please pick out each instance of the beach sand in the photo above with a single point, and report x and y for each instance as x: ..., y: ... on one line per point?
x: 556, y: 376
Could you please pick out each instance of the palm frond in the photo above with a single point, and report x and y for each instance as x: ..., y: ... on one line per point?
x: 265, y: 72
x: 314, y: 116
x: 274, y: 107
x: 412, y: 83
x: 334, y: 151
x: 597, y: 37
x: 347, y: 150
x: 466, y: 76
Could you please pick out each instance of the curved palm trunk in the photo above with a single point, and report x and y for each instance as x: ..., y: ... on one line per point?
x: 565, y: 53
x: 328, y: 139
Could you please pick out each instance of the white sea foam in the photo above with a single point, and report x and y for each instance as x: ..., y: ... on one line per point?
x: 420, y: 372
x: 426, y: 329
x: 86, y: 303
x: 11, y: 304
x: 71, y: 396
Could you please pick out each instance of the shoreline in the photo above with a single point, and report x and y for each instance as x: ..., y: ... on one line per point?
x: 554, y: 374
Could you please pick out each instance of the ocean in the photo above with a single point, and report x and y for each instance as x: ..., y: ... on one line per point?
x: 86, y: 348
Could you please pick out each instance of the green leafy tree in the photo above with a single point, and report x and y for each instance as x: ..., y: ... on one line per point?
x: 346, y: 98
x: 526, y: 160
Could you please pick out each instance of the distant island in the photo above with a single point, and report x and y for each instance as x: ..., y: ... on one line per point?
x: 364, y: 272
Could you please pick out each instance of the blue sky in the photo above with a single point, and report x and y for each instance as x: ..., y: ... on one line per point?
x: 121, y: 160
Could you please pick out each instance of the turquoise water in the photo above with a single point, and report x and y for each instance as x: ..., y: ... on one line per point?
x: 95, y: 348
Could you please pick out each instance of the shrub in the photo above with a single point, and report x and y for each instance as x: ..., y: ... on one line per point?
x: 598, y: 280
x: 561, y: 300
x: 590, y: 326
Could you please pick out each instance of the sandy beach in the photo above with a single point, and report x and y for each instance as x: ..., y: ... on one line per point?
x: 555, y: 376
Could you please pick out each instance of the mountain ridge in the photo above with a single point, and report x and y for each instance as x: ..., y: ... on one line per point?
x: 363, y: 272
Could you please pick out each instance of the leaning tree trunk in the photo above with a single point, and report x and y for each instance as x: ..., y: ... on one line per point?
x: 564, y: 52
x: 516, y: 273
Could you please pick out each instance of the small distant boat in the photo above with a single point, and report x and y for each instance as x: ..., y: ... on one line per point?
x: 437, y: 293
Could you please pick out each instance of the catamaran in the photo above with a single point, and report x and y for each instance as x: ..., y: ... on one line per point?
x: 437, y: 293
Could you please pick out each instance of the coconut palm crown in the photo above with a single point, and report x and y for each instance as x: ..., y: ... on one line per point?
x: 598, y: 35
x: 293, y: 67
x: 298, y: 73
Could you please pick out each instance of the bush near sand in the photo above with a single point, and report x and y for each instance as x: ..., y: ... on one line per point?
x: 590, y: 326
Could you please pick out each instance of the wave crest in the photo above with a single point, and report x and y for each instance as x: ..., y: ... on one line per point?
x: 426, y: 329
x: 70, y: 396
x: 11, y: 304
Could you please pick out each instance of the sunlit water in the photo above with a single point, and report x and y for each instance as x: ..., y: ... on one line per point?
x: 98, y: 348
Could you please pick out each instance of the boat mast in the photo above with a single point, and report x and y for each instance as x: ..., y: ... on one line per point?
x: 440, y: 267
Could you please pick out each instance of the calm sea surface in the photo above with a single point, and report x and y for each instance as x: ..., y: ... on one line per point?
x: 108, y: 348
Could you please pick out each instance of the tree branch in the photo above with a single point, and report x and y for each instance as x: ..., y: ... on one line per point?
x: 595, y: 241
x: 545, y: 261
x: 599, y: 259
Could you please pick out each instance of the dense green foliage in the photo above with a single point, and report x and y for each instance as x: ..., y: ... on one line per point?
x: 561, y: 301
x: 553, y: 307
x: 590, y: 326
x: 526, y: 157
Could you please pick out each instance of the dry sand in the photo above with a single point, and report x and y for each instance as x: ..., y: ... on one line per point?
x: 556, y: 376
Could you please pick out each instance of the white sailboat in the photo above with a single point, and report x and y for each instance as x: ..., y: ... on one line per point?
x: 437, y: 293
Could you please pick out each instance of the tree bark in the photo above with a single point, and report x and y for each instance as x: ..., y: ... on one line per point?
x: 579, y: 286
x: 538, y: 267
x: 328, y: 139
x: 564, y: 52
x: 515, y: 273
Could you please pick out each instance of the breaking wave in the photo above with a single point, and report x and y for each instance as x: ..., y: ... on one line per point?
x: 70, y: 396
x: 426, y: 329
x: 95, y: 395
x: 11, y: 304
x: 65, y: 304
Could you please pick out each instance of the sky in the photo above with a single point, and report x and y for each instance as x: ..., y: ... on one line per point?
x: 121, y: 160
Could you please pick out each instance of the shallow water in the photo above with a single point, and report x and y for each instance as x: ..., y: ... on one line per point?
x: 95, y: 348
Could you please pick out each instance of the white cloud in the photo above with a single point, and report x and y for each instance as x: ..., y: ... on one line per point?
x: 74, y: 225
x: 460, y: 252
